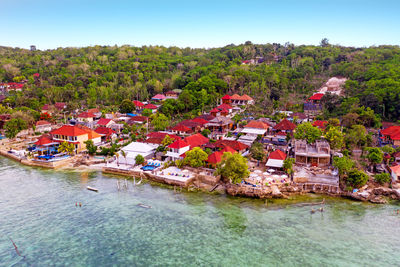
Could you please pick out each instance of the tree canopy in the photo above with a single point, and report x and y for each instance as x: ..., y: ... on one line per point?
x: 233, y: 167
x: 306, y: 131
x: 195, y: 157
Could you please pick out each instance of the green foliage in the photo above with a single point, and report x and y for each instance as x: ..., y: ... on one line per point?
x: 159, y: 121
x: 167, y: 141
x: 206, y: 132
x: 388, y: 149
x: 147, y: 112
x: 90, y: 147
x: 375, y: 155
x: 334, y: 137
x: 357, y: 136
x: 357, y: 178
x: 343, y: 164
x: 195, y: 157
x: 257, y: 151
x: 288, y: 165
x: 139, y: 159
x: 126, y: 106
x: 306, y: 131
x: 66, y: 147
x: 233, y: 167
x: 14, y: 126
x: 382, y: 178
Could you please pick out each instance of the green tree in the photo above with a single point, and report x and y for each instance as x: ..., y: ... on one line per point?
x: 382, y: 178
x: 306, y: 131
x: 195, y: 157
x: 343, y: 164
x: 388, y: 149
x: 147, y: 112
x: 126, y: 106
x: 206, y: 132
x: 159, y: 121
x: 66, y: 147
x: 139, y: 159
x: 257, y: 151
x: 356, y: 178
x: 233, y: 167
x: 375, y: 155
x: 335, y: 138
x: 167, y: 141
x: 14, y: 126
x: 90, y: 147
x: 124, y: 154
x: 288, y: 166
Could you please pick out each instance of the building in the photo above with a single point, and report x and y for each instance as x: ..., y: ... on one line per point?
x: 285, y: 126
x: 196, y: 140
x: 317, y: 154
x: 158, y: 137
x: 152, y: 107
x: 276, y: 159
x: 171, y: 95
x: 138, y: 105
x: 75, y: 135
x: 86, y: 117
x: 395, y: 172
x: 158, y: 98
x: 43, y: 126
x: 236, y: 145
x: 391, y: 135
x: 134, y: 149
x: 177, y: 149
x: 219, y: 126
x: 137, y: 120
x: 107, y: 134
x: 96, y: 112
x: 313, y: 106
x: 105, y: 122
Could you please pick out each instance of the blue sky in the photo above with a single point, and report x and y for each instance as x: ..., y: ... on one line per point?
x: 60, y: 23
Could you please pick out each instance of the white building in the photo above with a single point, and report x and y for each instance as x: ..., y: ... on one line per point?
x: 134, y: 149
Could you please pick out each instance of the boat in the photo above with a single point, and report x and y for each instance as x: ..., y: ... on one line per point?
x: 144, y: 206
x: 92, y: 189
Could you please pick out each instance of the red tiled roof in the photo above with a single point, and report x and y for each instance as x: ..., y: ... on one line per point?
x: 316, y: 96
x: 103, y: 121
x: 226, y: 97
x: 277, y: 154
x: 138, y: 118
x: 189, y: 123
x: 104, y: 131
x: 320, y: 124
x: 395, y: 136
x: 196, y: 140
x: 171, y: 93
x: 43, y: 140
x: 86, y: 114
x: 215, y: 157
x: 94, y: 110
x: 200, y: 121
x: 158, y: 96
x: 224, y: 106
x: 157, y: 137
x: 60, y: 105
x: 178, y: 144
x: 181, y: 128
x: 138, y: 104
x: 236, y: 145
x: 391, y: 130
x: 236, y: 97
x: 42, y: 122
x: 215, y: 110
x: 246, y: 97
x: 36, y: 75
x: 69, y: 130
x: 228, y: 149
x: 150, y: 106
x: 285, y: 125
x: 206, y: 117
x: 257, y: 125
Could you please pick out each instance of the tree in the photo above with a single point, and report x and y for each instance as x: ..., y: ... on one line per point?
x: 126, y: 106
x: 356, y: 178
x: 206, y: 132
x: 139, y: 159
x: 195, y: 157
x: 357, y: 136
x: 159, y: 121
x: 306, y: 131
x: 233, y: 167
x: 90, y: 147
x: 334, y: 137
x: 382, y: 178
x: 257, y: 151
x: 123, y: 153
x: 343, y: 164
x: 14, y: 126
x: 147, y: 112
x: 167, y: 140
x: 324, y: 42
x: 66, y: 147
x: 288, y: 166
x: 388, y: 149
x: 375, y: 155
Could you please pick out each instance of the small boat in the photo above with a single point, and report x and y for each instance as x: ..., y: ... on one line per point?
x: 92, y: 189
x: 144, y: 206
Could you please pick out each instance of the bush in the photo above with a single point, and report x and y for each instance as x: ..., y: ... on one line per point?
x: 357, y: 178
x: 382, y: 178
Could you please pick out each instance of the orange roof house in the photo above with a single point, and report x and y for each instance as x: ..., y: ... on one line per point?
x: 196, y: 140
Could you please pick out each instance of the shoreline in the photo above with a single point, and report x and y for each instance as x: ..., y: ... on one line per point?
x: 377, y: 195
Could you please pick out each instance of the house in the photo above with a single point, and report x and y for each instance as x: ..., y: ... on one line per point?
x: 395, y: 172
x: 105, y: 122
x: 158, y: 98
x: 193, y: 125
x: 219, y: 112
x: 96, y: 112
x: 60, y: 105
x: 196, y: 140
x: 46, y: 145
x: 152, y: 107
x: 45, y: 109
x: 298, y: 117
x: 138, y: 105
x: 313, y: 106
x: 134, y: 149
x: 177, y: 149
x: 285, y: 126
x: 106, y: 133
x: 137, y: 120
x: 43, y: 126
x: 391, y: 135
x: 317, y: 154
x: 171, y: 95
x: 85, y: 117
x: 236, y: 145
x: 226, y: 99
x: 216, y: 157
x: 158, y: 137
x: 74, y: 135
x: 255, y: 128
x: 219, y: 126
x: 241, y: 100
x: 206, y: 117
x: 320, y: 124
x: 276, y: 159
x: 181, y: 130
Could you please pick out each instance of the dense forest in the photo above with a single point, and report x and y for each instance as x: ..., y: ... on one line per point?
x: 103, y: 76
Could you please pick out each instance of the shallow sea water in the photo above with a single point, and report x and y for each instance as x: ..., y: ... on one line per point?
x: 37, y: 210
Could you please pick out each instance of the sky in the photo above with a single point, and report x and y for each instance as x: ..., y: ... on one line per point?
x: 49, y: 24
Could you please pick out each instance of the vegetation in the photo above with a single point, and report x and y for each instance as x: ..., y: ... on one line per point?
x: 382, y: 178
x: 356, y: 178
x: 139, y: 159
x: 344, y: 165
x: 66, y: 147
x: 257, y: 151
x: 14, y: 126
x: 288, y: 166
x: 306, y: 131
x: 195, y: 157
x: 375, y: 155
x: 159, y: 121
x: 126, y: 106
x: 233, y: 167
x: 334, y: 137
x: 90, y: 147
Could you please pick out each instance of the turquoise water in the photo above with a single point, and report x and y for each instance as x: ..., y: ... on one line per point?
x: 37, y: 210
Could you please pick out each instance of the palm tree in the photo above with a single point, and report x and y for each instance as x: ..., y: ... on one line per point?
x: 66, y: 148
x: 117, y: 155
x: 123, y: 153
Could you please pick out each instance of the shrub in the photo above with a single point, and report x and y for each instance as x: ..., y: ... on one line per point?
x: 382, y: 178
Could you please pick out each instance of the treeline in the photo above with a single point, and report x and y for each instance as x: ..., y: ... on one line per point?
x: 105, y: 75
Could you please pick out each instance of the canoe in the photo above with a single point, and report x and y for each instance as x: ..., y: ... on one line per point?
x: 144, y: 206
x: 92, y: 188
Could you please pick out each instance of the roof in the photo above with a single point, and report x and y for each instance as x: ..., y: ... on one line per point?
x: 316, y: 96
x: 159, y: 96
x: 60, y: 105
x: 104, y: 131
x: 139, y: 147
x: 138, y: 103
x: 206, y: 117
x: 69, y: 130
x: 43, y: 140
x: 220, y: 120
x: 320, y: 124
x: 226, y: 97
x: 257, y: 125
x: 150, y: 106
x: 224, y: 106
x: 178, y: 144
x: 46, y: 107
x: 91, y: 134
x: 396, y: 170
x: 103, y: 121
x: 215, y: 157
x: 138, y: 118
x: 200, y: 121
x: 190, y: 123
x: 86, y: 114
x: 228, y: 149
x: 392, y: 130
x: 236, y: 97
x: 299, y: 115
x: 253, y: 131
x: 42, y: 122
x: 277, y: 154
x: 275, y: 163
x: 214, y: 110
x: 181, y: 128
x: 94, y: 110
x: 236, y: 145
x: 196, y: 140
x: 285, y: 125
x: 246, y: 97
x: 171, y: 93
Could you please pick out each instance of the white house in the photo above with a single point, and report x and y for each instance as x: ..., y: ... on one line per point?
x: 177, y: 149
x: 134, y: 149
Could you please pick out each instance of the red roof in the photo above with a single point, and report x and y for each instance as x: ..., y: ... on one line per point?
x: 42, y: 122
x: 200, y: 121
x: 46, y: 107
x: 215, y: 110
x: 94, y: 110
x: 158, y: 96
x: 224, y: 106
x: 285, y: 125
x: 181, y: 128
x: 226, y: 97
x: 103, y: 122
x: 69, y: 130
x: 316, y: 96
x: 162, y: 135
x: 206, y: 117
x: 257, y: 125
x: 138, y: 104
x: 43, y: 140
x: 215, y: 157
x: 178, y: 144
x: 320, y: 124
x: 86, y: 115
x: 395, y: 136
x: 150, y: 106
x: 138, y: 119
x: 196, y: 140
x: 36, y: 75
x: 60, y: 105
x: 104, y: 131
x: 236, y: 145
x: 392, y: 130
x: 228, y: 149
x: 277, y: 154
x: 246, y: 97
